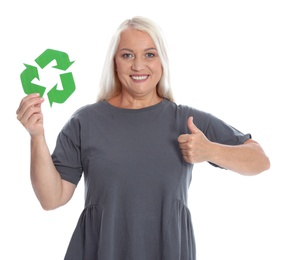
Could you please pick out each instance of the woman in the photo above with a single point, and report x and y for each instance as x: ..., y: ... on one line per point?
x: 136, y: 149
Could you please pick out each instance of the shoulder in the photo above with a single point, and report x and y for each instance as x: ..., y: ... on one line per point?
x: 82, y: 116
x: 86, y: 110
x: 186, y: 111
x: 182, y: 112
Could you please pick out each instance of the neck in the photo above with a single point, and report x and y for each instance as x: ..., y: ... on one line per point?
x: 124, y: 101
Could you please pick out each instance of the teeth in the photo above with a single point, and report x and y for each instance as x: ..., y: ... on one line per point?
x: 139, y: 77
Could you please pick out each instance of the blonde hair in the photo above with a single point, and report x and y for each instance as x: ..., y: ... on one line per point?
x: 109, y: 84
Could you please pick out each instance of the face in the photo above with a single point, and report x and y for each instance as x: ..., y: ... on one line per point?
x: 138, y: 65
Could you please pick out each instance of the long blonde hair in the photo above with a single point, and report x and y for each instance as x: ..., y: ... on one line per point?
x: 110, y: 84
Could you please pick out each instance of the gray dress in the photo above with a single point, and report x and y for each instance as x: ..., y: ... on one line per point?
x: 136, y: 181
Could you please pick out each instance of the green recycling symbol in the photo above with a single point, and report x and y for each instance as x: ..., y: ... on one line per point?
x: 62, y: 63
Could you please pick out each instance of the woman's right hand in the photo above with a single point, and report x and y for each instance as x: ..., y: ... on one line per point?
x: 30, y: 115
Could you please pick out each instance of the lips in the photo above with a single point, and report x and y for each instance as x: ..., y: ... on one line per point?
x: 139, y: 77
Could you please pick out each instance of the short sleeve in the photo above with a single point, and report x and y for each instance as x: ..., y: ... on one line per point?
x: 215, y: 129
x: 221, y: 132
x: 67, y: 153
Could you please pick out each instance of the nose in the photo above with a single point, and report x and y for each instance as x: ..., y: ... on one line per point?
x: 138, y: 64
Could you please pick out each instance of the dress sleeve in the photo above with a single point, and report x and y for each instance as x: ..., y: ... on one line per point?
x: 215, y: 129
x: 67, y: 152
x: 220, y: 132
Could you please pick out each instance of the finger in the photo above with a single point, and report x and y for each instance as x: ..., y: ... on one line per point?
x: 183, y: 139
x: 183, y: 146
x: 191, y: 126
x: 27, y: 103
x: 35, y: 118
x: 188, y: 159
x: 25, y: 100
x: 28, y: 115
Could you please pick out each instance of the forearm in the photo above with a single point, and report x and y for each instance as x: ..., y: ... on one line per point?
x: 46, y: 181
x: 247, y: 159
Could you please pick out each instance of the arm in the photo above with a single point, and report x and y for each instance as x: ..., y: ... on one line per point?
x: 247, y: 158
x: 48, y: 186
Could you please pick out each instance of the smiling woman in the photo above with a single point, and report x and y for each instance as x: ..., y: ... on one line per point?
x: 136, y: 149
x: 138, y: 69
x: 154, y: 48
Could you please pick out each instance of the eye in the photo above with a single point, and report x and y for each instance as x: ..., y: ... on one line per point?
x: 127, y: 55
x: 149, y: 55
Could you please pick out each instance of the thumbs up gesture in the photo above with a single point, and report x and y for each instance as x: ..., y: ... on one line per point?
x: 195, y: 146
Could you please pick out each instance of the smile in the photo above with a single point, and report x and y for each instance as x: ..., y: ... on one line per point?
x: 143, y: 77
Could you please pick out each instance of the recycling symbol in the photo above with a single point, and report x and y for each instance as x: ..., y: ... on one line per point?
x: 62, y: 63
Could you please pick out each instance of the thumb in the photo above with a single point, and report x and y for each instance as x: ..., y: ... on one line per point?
x: 191, y: 126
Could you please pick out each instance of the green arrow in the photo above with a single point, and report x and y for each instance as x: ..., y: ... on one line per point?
x: 63, y: 62
x: 27, y: 76
x: 60, y: 96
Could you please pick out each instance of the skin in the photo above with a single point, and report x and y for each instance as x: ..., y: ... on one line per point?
x: 50, y: 189
x: 246, y: 159
x: 136, y: 56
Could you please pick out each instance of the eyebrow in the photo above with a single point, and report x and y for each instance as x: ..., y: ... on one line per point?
x: 130, y: 50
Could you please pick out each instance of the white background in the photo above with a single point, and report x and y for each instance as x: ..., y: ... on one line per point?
x: 225, y: 59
